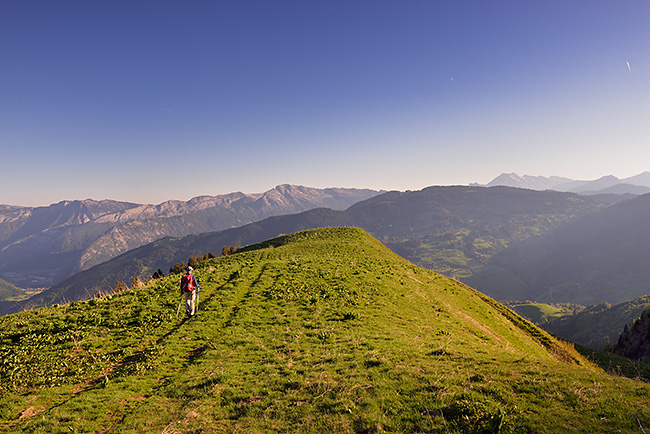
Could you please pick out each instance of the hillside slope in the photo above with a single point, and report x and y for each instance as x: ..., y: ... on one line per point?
x: 455, y: 230
x: 319, y: 331
x: 10, y: 295
x: 602, y: 256
x: 9, y: 291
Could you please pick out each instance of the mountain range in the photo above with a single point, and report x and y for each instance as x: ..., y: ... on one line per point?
x: 42, y: 246
x: 635, y: 185
x: 452, y: 230
x: 510, y: 243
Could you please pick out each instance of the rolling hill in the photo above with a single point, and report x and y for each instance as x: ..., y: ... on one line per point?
x: 318, y: 331
x: 144, y: 261
x: 42, y: 246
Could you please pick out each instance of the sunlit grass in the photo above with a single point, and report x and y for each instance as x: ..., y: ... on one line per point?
x: 321, y: 331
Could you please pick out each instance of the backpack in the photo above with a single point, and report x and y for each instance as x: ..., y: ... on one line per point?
x: 187, y: 283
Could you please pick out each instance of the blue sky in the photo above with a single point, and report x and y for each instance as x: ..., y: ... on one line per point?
x: 147, y: 101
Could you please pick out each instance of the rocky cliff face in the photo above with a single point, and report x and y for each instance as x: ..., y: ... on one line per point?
x: 174, y: 208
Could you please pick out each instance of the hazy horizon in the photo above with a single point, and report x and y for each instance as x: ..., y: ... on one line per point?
x: 148, y: 102
x: 302, y: 185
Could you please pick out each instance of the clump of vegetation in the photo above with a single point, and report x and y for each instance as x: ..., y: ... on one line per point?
x: 318, y: 331
x: 634, y: 342
x: 229, y: 250
x: 192, y: 261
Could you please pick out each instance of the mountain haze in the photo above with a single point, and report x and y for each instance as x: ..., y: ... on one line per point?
x: 453, y: 230
x: 319, y: 331
x: 601, y: 256
x: 634, y: 185
x: 640, y: 179
x: 43, y: 246
x: 528, y: 181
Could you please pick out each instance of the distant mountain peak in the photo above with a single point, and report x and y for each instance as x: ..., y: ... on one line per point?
x: 527, y: 181
x: 642, y: 179
x: 605, y: 184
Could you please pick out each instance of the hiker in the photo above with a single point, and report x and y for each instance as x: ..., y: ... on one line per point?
x: 189, y: 285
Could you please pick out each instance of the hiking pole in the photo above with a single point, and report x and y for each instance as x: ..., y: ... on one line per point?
x: 179, y: 306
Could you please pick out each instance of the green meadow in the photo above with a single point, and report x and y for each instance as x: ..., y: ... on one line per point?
x: 314, y: 332
x: 541, y: 312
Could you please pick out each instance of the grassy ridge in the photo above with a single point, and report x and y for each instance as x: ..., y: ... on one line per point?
x: 319, y: 331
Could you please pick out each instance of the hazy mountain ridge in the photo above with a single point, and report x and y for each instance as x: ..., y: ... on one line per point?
x: 71, y: 236
x: 528, y: 181
x: 638, y: 184
x: 629, y: 189
x: 450, y: 229
x: 209, y: 215
x: 173, y: 208
x: 598, y: 257
x: 19, y: 223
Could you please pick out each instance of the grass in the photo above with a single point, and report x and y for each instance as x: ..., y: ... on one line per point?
x: 540, y: 312
x: 617, y: 365
x: 319, y: 331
